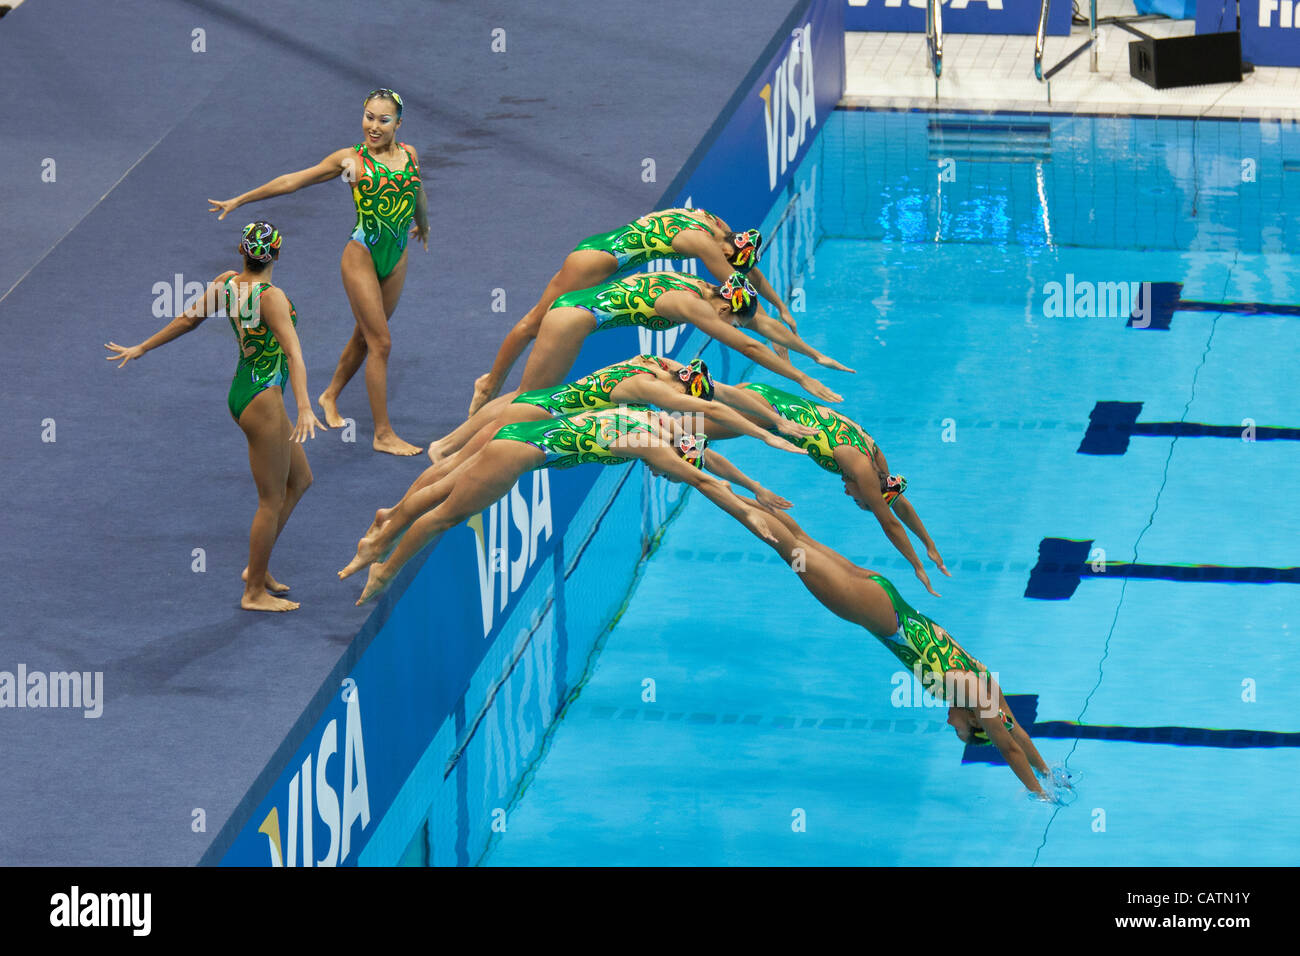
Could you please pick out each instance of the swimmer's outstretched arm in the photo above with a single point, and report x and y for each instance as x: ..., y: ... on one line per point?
x: 1012, y: 752
x: 754, y: 408
x: 725, y: 470
x: 203, y: 305
x: 776, y: 333
x: 644, y: 389
x: 334, y: 165
x: 857, y: 467
x: 903, y: 508
x: 661, y: 457
x: 700, y: 314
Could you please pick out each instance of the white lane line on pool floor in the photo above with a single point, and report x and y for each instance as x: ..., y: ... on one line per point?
x: 1119, y: 605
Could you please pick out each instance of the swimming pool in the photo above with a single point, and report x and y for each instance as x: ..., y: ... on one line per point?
x: 978, y: 273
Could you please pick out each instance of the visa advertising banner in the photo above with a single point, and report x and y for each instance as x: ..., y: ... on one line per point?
x: 959, y: 16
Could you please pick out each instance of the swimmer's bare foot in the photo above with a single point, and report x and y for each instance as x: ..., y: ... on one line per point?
x: 261, y: 601
x: 390, y: 443
x: 368, y: 551
x: 376, y: 583
x: 272, y: 585
x: 436, y: 454
x: 328, y: 405
x: 483, y: 393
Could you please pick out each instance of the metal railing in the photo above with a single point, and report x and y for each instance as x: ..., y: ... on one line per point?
x: 1040, y: 43
x: 934, y: 34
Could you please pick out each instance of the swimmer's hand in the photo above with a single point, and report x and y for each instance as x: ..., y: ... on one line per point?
x: 818, y: 390
x: 225, y: 205
x: 776, y: 441
x: 827, y: 362
x: 787, y: 427
x: 122, y: 352
x: 771, y: 501
x: 306, y: 427
x: 933, y: 555
x: 925, y: 579
x: 421, y: 234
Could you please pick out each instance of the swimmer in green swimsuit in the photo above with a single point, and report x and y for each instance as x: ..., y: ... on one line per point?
x: 641, y: 380
x: 655, y: 300
x: 666, y: 234
x: 264, y: 321
x: 977, y: 706
x: 383, y: 177
x: 610, y: 436
x: 843, y: 447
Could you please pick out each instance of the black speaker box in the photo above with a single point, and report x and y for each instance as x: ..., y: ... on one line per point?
x: 1186, y: 61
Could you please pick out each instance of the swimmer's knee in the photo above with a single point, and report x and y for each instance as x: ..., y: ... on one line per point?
x: 379, y: 343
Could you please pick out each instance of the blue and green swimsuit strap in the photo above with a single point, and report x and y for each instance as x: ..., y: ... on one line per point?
x: 636, y: 244
x: 920, y: 639
x: 630, y: 300
x: 589, y: 392
x: 582, y: 439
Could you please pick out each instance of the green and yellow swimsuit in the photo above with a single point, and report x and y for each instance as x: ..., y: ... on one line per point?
x: 833, y: 430
x: 262, y: 362
x: 629, y: 301
x: 589, y: 392
x: 636, y: 244
x: 386, y: 203
x: 582, y: 439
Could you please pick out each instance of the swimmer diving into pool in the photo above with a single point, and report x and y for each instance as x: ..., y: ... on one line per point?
x: 641, y: 380
x: 611, y: 436
x: 871, y: 601
x: 842, y: 447
x: 264, y: 322
x: 658, y: 300
x: 384, y: 178
x: 666, y: 234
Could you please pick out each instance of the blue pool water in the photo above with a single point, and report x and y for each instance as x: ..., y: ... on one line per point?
x: 768, y: 710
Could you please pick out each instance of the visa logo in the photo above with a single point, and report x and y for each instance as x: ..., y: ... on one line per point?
x: 498, y: 571
x: 307, y: 803
x: 789, y: 107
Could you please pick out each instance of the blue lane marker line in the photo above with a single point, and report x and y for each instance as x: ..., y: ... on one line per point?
x: 1063, y: 563
x: 1112, y: 424
x: 1166, y: 299
x: 1025, y: 707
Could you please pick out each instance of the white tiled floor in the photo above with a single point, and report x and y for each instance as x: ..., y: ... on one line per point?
x: 891, y: 70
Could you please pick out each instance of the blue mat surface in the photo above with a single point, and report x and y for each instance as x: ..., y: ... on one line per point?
x: 523, y: 153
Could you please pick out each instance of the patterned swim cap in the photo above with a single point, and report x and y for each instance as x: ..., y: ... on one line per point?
x: 691, y: 448
x: 742, y: 296
x: 748, y: 244
x: 978, y: 736
x: 892, y: 487
x: 697, y: 380
x: 389, y: 95
x: 260, y: 241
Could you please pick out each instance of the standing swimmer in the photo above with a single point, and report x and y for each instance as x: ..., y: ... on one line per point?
x: 265, y: 323
x: 385, y: 182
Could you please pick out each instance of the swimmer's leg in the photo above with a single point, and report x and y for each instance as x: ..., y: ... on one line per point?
x: 582, y: 269
x: 491, y: 475
x: 469, y: 428
x: 266, y: 426
x: 558, y: 343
